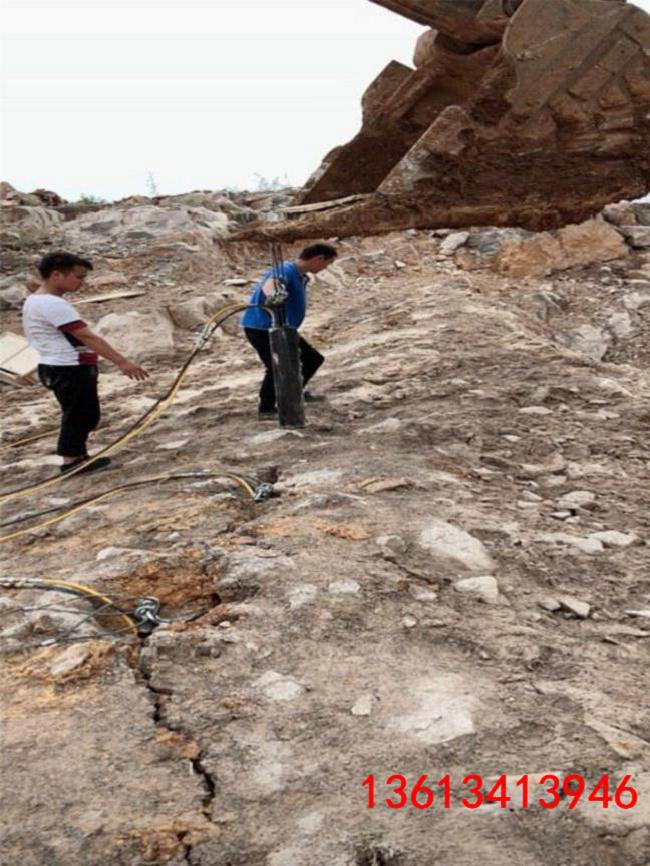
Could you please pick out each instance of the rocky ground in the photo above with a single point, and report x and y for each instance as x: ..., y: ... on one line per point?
x: 452, y: 577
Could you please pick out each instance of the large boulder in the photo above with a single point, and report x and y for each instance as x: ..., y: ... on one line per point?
x: 34, y: 219
x: 592, y: 241
x: 138, y: 336
x: 620, y: 213
x: 191, y: 314
x: 642, y: 212
x: 637, y: 236
x: 49, y: 198
x: 12, y: 297
x: 483, y: 247
x: 107, y: 280
x: 132, y: 226
x: 11, y: 196
x: 525, y: 254
x: 448, y: 543
x: 7, y: 192
x: 214, y: 201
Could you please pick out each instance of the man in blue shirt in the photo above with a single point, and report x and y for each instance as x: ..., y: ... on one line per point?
x: 257, y: 321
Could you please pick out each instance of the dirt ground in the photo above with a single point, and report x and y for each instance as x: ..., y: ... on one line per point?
x: 336, y: 635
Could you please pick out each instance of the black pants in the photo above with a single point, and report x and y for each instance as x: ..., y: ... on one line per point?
x: 310, y: 361
x: 76, y: 390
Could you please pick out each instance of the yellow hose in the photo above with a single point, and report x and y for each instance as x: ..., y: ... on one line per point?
x: 66, y: 586
x: 119, y: 489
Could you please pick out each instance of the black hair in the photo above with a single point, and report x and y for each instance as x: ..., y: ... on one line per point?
x: 326, y: 250
x: 63, y: 262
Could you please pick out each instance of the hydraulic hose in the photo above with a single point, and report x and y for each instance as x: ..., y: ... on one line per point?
x: 256, y: 489
x: 61, y: 585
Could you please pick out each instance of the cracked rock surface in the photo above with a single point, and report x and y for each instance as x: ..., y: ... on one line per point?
x: 452, y: 579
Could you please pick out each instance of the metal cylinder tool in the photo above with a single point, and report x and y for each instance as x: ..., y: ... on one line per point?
x: 285, y: 351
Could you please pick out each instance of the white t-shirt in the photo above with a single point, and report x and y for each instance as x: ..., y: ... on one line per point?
x: 49, y: 323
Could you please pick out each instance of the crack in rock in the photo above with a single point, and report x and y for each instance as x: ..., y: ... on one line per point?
x: 157, y: 696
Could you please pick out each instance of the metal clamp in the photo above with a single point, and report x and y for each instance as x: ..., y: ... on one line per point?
x: 17, y: 583
x: 279, y: 295
x: 263, y: 492
x: 147, y: 615
x: 206, y: 335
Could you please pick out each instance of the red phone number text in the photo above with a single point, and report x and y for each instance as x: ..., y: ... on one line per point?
x: 548, y: 791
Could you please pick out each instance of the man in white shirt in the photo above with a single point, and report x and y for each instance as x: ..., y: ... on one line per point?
x: 68, y: 353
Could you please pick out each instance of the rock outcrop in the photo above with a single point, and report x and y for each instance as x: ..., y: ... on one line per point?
x: 530, y: 113
x: 453, y: 577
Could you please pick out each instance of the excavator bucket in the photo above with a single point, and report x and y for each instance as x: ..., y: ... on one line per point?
x: 533, y: 113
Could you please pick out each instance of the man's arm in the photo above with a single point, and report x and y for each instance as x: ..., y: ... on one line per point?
x: 105, y: 350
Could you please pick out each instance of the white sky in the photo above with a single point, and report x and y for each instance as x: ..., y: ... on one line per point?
x: 203, y: 94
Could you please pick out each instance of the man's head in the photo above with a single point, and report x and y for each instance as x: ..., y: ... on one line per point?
x: 64, y: 272
x: 316, y: 258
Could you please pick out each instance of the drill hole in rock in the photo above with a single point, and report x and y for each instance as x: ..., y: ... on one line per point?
x: 182, y: 590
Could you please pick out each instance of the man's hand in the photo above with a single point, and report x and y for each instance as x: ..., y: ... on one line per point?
x: 133, y: 371
x: 105, y: 350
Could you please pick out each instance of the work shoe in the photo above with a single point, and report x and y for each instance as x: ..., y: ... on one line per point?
x: 310, y: 397
x: 267, y: 415
x: 100, y: 463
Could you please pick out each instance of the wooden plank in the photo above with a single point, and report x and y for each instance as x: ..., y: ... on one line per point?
x: 18, y: 361
x: 9, y: 378
x: 113, y: 296
x: 10, y: 345
x: 12, y: 379
x: 324, y: 205
x: 24, y: 363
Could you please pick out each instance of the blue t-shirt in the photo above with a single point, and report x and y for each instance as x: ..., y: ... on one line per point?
x: 295, y: 307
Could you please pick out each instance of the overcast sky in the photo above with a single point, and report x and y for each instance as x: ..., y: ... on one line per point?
x: 201, y: 94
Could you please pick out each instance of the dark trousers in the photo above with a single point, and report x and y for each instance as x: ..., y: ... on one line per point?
x: 310, y: 361
x: 76, y: 390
